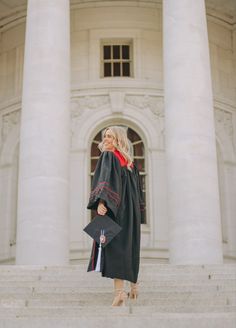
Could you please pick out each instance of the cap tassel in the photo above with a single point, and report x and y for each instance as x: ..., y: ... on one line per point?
x: 98, y: 264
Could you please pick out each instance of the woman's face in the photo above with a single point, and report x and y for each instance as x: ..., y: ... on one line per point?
x: 108, y: 141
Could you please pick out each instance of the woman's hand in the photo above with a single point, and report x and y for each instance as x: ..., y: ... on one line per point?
x: 101, y: 209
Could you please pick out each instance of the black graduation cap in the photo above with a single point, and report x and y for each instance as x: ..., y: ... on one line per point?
x: 102, y: 229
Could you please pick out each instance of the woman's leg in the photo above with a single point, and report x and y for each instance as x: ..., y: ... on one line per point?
x: 133, y: 290
x: 118, y: 284
x: 120, y: 294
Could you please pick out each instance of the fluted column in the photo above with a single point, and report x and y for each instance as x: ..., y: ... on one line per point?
x: 42, y: 226
x: 193, y: 196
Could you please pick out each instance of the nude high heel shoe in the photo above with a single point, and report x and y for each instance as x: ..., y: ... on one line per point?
x: 133, y: 291
x: 120, y: 297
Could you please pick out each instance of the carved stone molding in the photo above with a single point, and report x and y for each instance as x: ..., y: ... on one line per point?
x: 145, y: 102
x: 9, y: 121
x: 154, y: 106
x: 83, y: 104
x: 80, y: 104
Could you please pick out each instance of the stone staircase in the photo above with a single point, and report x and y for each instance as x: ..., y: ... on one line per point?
x: 69, y: 297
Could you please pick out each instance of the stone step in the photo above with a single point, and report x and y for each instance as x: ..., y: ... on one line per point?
x: 144, y: 268
x: 79, y: 289
x: 108, y: 310
x: 95, y: 294
x: 145, y: 299
x: 145, y: 285
x: 196, y: 303
x: 155, y: 320
x: 69, y: 294
x: 94, y: 277
x: 77, y: 276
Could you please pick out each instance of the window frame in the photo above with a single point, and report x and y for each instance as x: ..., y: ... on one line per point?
x: 116, y: 42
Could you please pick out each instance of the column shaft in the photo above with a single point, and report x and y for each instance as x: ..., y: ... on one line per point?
x: 42, y: 227
x: 193, y: 195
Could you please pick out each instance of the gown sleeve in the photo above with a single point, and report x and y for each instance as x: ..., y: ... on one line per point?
x: 106, y: 184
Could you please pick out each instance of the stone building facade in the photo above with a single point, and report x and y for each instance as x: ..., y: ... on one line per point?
x: 78, y: 67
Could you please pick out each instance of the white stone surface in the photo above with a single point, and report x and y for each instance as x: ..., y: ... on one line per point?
x: 140, y: 21
x: 42, y: 228
x: 193, y: 197
x: 66, y: 296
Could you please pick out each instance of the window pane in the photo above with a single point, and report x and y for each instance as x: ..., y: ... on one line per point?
x: 126, y: 70
x: 142, y: 182
x: 116, y: 52
x: 116, y: 69
x: 133, y: 136
x: 138, y: 149
x: 94, y: 150
x: 107, y: 52
x: 140, y: 164
x: 125, y: 52
x: 107, y: 69
x: 93, y: 165
x: 98, y: 137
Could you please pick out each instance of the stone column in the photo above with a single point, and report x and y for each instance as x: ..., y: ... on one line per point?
x: 42, y: 227
x: 192, y: 181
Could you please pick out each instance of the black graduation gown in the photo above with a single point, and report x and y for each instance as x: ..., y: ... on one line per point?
x: 120, y: 189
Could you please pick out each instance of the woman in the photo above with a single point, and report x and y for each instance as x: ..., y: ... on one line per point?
x: 116, y: 192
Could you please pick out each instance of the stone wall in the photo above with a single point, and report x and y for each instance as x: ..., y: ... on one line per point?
x: 140, y: 101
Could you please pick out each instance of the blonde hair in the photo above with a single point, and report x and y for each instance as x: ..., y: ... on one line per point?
x: 120, y: 142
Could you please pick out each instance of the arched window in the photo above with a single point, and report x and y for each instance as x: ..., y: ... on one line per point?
x: 138, y: 152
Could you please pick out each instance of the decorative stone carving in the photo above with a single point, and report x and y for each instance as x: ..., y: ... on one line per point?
x: 9, y: 121
x: 76, y: 109
x: 153, y: 103
x: 80, y: 104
